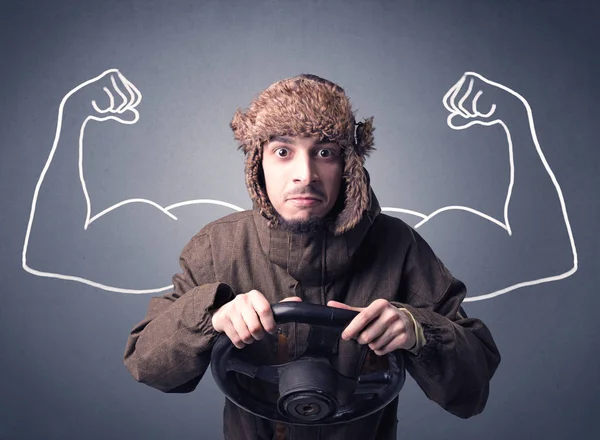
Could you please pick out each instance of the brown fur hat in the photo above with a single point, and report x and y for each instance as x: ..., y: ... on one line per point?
x: 307, y: 105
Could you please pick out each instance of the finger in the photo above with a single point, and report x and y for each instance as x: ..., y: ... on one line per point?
x: 393, y: 345
x: 340, y: 305
x: 132, y: 95
x: 366, y: 315
x: 450, y: 96
x: 464, y: 98
x: 388, y: 321
x: 374, y: 330
x: 402, y: 338
x: 111, y: 100
x: 242, y: 329
x: 97, y: 108
x: 453, y: 99
x: 263, y: 310
x: 474, y: 103
x: 136, y: 92
x: 233, y: 336
x: 387, y: 331
x: 477, y: 112
x: 357, y: 325
x: 446, y: 100
x: 124, y: 100
x: 253, y: 323
x: 383, y: 339
x: 292, y: 298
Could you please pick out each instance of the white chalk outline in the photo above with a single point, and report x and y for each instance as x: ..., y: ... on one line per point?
x: 458, y: 109
x: 129, y: 103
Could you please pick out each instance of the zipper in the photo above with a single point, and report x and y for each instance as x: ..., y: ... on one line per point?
x: 323, y: 259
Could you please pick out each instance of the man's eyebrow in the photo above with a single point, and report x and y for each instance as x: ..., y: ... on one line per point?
x: 325, y: 140
x: 290, y: 141
x: 283, y: 139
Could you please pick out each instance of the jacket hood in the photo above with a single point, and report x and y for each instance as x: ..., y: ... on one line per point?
x: 307, y: 105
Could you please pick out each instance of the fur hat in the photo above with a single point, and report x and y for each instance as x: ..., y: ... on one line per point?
x: 307, y: 105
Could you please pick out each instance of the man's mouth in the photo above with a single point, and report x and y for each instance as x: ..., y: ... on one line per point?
x: 305, y: 200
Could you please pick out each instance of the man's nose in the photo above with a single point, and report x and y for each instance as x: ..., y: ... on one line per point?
x: 305, y: 171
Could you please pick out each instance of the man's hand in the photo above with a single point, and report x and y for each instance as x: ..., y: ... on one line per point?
x: 245, y: 318
x: 381, y: 325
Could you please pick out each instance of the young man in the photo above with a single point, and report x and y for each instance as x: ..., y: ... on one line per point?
x: 315, y: 234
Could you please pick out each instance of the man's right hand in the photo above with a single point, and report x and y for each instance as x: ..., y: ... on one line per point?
x: 245, y: 318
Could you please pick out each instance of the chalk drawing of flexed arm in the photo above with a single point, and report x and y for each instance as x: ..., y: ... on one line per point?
x: 534, y: 202
x: 65, y: 237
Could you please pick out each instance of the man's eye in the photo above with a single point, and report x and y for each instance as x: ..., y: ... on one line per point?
x: 282, y: 152
x: 325, y: 153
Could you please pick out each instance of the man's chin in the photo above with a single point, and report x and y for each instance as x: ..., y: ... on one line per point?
x: 303, y: 225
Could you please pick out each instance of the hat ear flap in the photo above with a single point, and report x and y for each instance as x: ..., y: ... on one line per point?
x: 357, y: 195
x: 256, y: 184
x: 364, y: 137
x: 241, y: 125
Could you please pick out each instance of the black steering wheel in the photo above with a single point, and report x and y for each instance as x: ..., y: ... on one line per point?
x: 308, y: 386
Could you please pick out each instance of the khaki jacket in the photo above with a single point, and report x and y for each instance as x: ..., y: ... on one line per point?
x: 382, y: 257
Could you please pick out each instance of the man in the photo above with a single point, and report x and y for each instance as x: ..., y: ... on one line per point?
x: 315, y: 234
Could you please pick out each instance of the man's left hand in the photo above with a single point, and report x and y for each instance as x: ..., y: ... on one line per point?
x: 381, y: 325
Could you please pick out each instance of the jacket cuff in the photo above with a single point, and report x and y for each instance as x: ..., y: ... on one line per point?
x: 426, y: 332
x: 207, y: 299
x: 419, y: 335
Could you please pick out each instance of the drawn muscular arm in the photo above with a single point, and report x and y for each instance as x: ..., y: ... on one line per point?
x: 533, y: 242
x: 121, y: 248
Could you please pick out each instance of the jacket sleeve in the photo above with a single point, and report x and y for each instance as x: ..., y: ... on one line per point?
x: 170, y: 348
x: 458, y: 357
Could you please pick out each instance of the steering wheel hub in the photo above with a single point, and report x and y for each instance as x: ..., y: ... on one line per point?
x: 307, y: 390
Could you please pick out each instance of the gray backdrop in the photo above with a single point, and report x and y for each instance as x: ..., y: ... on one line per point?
x: 67, y: 298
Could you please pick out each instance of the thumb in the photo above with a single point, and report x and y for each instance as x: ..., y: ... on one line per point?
x: 340, y: 305
x: 292, y: 298
x: 129, y: 116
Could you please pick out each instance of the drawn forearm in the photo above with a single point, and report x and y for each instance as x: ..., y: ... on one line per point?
x: 59, y: 180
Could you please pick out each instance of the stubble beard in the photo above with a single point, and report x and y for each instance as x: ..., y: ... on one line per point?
x: 304, y: 227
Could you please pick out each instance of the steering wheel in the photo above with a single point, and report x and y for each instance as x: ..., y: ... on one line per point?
x: 309, y: 387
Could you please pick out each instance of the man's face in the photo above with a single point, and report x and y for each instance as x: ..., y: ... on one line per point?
x: 302, y: 176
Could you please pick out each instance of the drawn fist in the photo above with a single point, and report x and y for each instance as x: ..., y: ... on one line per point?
x: 463, y: 101
x: 111, y: 96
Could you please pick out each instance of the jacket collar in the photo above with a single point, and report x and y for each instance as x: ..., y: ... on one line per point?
x: 318, y: 258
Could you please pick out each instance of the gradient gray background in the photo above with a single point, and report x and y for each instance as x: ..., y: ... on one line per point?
x: 62, y: 342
